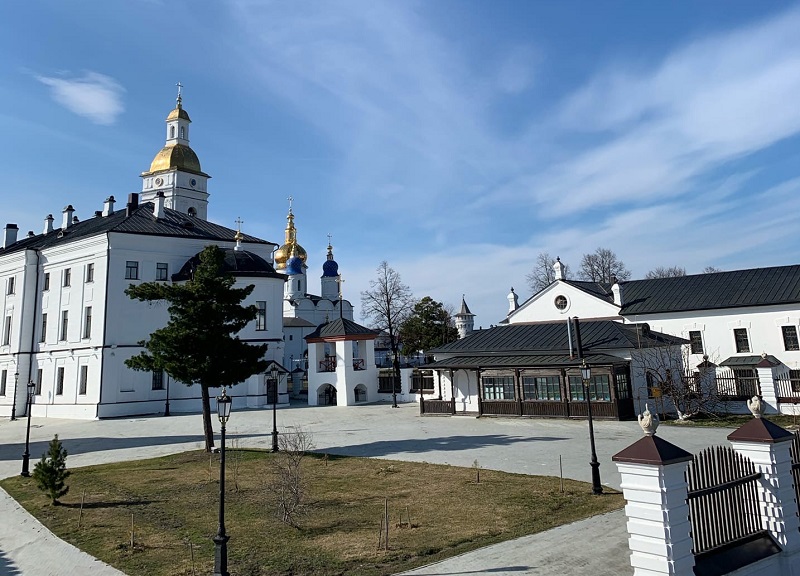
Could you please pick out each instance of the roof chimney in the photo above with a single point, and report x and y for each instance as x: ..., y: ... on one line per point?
x: 616, y: 290
x: 10, y: 235
x: 66, y: 219
x: 108, y: 206
x: 75, y: 220
x: 158, y: 205
x: 133, y: 203
x: 48, y: 224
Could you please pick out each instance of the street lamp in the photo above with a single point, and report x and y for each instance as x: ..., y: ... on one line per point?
x: 166, y: 406
x: 14, y: 398
x: 586, y: 376
x: 221, y: 539
x: 274, y: 374
x: 27, y: 455
x: 395, y: 377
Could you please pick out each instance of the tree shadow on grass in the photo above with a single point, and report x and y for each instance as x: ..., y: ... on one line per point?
x: 113, y: 504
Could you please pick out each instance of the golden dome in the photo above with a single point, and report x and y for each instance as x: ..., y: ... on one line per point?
x: 178, y: 112
x: 290, y: 247
x: 178, y: 156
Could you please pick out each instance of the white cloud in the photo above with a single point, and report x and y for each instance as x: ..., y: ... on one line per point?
x: 94, y: 96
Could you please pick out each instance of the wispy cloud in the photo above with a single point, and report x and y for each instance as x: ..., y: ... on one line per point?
x: 94, y: 96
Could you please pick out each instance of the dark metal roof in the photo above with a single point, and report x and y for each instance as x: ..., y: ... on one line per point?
x: 239, y: 263
x: 749, y: 361
x: 760, y: 430
x: 600, y: 290
x: 652, y: 450
x: 140, y: 221
x: 734, y: 289
x: 341, y: 328
x: 291, y: 322
x: 596, y: 336
x: 522, y: 360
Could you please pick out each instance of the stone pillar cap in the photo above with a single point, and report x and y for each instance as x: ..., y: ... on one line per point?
x: 652, y: 450
x: 760, y: 430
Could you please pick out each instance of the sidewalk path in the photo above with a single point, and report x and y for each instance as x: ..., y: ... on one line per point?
x: 597, y: 545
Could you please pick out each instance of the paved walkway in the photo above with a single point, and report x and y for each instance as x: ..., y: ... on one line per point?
x: 597, y: 546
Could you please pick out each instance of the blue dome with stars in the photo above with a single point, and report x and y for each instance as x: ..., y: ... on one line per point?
x: 294, y: 266
x: 330, y: 269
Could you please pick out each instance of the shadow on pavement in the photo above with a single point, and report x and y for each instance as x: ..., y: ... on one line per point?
x: 443, y: 444
x: 77, y: 446
x: 7, y: 567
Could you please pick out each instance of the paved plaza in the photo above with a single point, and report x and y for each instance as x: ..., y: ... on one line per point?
x: 527, y: 446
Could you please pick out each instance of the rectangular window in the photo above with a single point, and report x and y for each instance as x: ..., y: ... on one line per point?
x: 87, y: 322
x: 7, y: 331
x: 46, y: 284
x: 3, y: 378
x: 696, y: 341
x: 10, y: 285
x: 38, y: 389
x: 599, y: 388
x: 84, y: 379
x: 498, y: 387
x: 162, y: 271
x: 790, y: 338
x: 541, y: 388
x: 60, y: 381
x: 158, y: 380
x: 131, y: 270
x: 742, y: 343
x: 64, y: 325
x: 261, y: 315
x: 43, y: 335
x: 66, y: 277
x: 90, y: 272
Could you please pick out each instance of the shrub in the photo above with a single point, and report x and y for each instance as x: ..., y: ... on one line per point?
x: 51, y: 472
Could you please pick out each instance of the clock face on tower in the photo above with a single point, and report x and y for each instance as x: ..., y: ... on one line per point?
x: 159, y: 181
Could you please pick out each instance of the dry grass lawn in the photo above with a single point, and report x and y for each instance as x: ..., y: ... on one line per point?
x: 174, y: 504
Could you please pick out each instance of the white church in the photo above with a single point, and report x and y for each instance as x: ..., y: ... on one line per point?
x: 68, y: 326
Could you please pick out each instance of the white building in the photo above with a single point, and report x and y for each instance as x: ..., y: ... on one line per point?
x: 68, y: 326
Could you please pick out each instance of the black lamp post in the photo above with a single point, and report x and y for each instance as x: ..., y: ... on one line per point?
x: 166, y: 405
x: 221, y: 539
x: 14, y: 398
x: 395, y: 377
x: 274, y: 374
x: 27, y: 455
x: 586, y: 376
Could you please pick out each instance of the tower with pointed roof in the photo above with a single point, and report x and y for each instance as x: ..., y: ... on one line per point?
x: 175, y: 171
x: 465, y: 320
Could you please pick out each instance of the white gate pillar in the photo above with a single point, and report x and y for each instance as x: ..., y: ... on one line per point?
x: 654, y: 485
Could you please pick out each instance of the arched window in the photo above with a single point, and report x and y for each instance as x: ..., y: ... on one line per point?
x: 192, y: 212
x: 172, y: 131
x: 183, y: 132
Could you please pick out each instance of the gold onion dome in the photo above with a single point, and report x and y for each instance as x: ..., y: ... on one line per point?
x: 178, y: 112
x: 290, y: 247
x: 178, y: 156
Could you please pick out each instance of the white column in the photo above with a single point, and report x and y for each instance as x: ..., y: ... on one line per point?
x: 777, y: 501
x: 769, y: 393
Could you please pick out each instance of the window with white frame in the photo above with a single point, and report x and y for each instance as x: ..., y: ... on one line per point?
x: 541, y: 387
x: 261, y: 315
x: 87, y: 322
x: 790, y: 341
x: 66, y: 277
x: 46, y: 282
x: 696, y: 341
x: 158, y: 380
x: 741, y: 339
x: 3, y: 379
x: 90, y: 272
x: 60, y: 381
x: 498, y: 387
x: 43, y: 335
x: 7, y: 331
x: 83, y: 380
x: 10, y: 288
x: 39, y: 376
x: 64, y: 325
x: 162, y: 271
x: 131, y: 270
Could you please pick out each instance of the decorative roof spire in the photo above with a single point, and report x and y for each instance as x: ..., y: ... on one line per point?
x: 179, y: 99
x: 238, y: 237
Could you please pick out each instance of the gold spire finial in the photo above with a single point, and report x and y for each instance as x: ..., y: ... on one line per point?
x: 290, y: 199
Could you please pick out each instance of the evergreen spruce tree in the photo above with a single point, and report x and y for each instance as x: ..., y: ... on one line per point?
x: 51, y: 471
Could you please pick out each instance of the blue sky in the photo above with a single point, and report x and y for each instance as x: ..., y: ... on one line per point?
x: 455, y: 139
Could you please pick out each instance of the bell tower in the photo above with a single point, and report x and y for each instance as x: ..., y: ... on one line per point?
x: 175, y: 170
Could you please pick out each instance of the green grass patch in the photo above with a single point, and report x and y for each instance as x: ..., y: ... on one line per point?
x: 787, y: 421
x: 174, y: 505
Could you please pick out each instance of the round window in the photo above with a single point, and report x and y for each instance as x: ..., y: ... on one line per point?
x: 561, y: 302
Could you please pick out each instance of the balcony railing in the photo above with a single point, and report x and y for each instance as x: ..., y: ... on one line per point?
x: 358, y: 364
x: 328, y: 364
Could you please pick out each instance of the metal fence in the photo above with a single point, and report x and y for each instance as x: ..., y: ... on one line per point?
x: 738, y: 383
x: 795, y: 451
x: 787, y: 387
x: 723, y: 499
